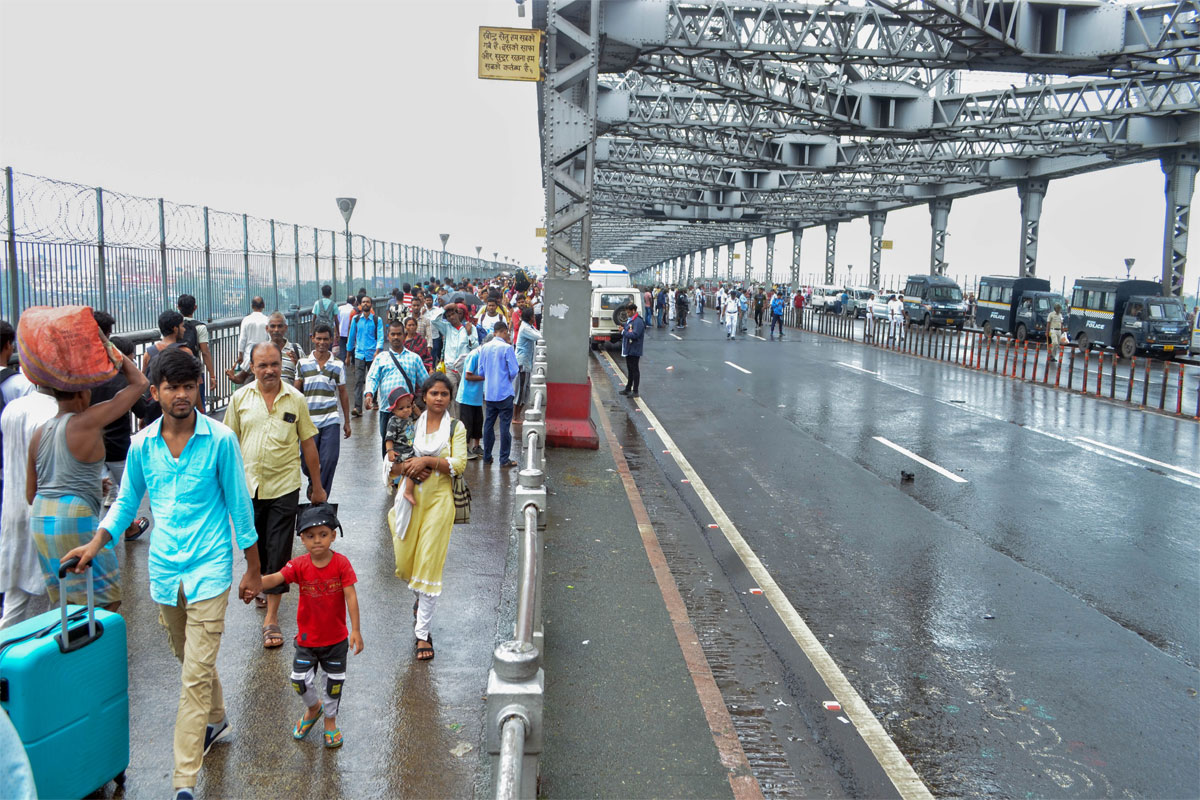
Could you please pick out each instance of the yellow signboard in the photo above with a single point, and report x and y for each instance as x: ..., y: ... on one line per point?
x: 540, y: 233
x: 510, y: 54
x: 885, y: 244
x: 737, y: 255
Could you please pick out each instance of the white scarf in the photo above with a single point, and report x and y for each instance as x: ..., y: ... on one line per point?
x: 431, y: 444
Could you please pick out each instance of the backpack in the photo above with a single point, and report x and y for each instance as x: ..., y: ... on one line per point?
x: 191, y: 339
x: 326, y: 311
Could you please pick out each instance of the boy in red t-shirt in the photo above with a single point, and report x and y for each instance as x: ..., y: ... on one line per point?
x: 326, y: 582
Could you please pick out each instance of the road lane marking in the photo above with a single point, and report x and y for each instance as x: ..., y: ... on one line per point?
x: 733, y: 757
x: 706, y: 321
x: 924, y: 462
x: 673, y: 336
x: 756, y: 336
x: 859, y: 369
x: 893, y: 762
x: 735, y: 366
x: 1162, y: 464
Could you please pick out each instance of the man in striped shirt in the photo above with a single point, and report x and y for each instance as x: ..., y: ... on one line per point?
x: 322, y: 378
x: 393, y: 368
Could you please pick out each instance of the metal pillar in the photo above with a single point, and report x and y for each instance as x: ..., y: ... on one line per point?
x: 1180, y: 169
x: 770, y: 259
x: 749, y: 251
x: 162, y: 253
x: 877, y: 220
x: 831, y: 229
x: 246, y: 255
x: 1031, y: 193
x: 691, y: 268
x: 14, y: 281
x: 208, y: 292
x: 716, y: 270
x: 101, y: 262
x: 939, y: 216
x: 703, y: 264
x: 797, y: 238
x: 569, y: 137
x: 296, y: 245
x: 274, y: 269
x: 729, y: 260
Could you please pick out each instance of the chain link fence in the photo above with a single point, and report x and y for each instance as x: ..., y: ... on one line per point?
x: 69, y: 244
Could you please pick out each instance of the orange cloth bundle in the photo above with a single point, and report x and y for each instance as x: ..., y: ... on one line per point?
x: 62, y: 348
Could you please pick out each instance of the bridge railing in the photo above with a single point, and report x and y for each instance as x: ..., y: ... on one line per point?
x: 516, y: 683
x: 70, y: 244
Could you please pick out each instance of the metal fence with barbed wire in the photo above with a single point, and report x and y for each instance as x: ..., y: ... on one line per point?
x: 69, y: 244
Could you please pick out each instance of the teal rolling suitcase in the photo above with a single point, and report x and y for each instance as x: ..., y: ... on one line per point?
x: 69, y: 698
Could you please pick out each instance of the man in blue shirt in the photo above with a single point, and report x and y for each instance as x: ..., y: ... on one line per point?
x: 498, y: 366
x: 366, y: 339
x: 777, y: 306
x: 191, y: 466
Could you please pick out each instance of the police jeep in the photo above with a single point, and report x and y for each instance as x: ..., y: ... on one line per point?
x: 1132, y: 316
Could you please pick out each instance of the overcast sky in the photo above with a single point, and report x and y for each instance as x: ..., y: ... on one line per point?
x: 275, y: 108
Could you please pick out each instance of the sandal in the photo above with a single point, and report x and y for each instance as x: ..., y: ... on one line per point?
x: 303, y: 726
x: 333, y: 739
x: 272, y: 633
x: 425, y: 653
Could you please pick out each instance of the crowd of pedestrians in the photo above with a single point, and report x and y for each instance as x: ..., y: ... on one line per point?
x: 444, y: 366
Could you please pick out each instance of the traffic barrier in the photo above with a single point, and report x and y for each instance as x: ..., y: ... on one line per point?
x: 1179, y: 401
x: 1132, y: 371
x: 1162, y: 395
x: 1099, y: 374
x: 1058, y: 368
x: 1146, y: 385
x: 516, y: 682
x: 1084, y: 382
x: 1037, y: 354
x: 1024, y: 360
x: 1112, y: 386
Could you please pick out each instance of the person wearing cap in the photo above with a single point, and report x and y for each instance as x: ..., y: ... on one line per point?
x: 394, y: 368
x: 191, y: 468
x: 325, y: 581
x: 272, y: 423
x: 401, y: 428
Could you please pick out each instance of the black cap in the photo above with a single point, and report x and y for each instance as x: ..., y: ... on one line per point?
x: 311, y: 516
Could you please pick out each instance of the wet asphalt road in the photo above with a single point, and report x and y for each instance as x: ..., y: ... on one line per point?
x: 1030, y: 632
x: 411, y: 729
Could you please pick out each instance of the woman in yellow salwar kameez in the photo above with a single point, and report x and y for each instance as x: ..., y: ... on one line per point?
x: 421, y: 532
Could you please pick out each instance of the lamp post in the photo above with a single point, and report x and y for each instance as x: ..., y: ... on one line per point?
x: 1128, y: 267
x: 478, y: 260
x: 346, y: 207
x: 445, y: 238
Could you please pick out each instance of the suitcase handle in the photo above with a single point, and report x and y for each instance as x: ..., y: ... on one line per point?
x: 66, y: 642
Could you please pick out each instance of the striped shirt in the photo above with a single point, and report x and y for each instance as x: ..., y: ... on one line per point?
x: 321, y: 388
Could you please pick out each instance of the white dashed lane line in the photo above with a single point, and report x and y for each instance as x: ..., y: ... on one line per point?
x: 924, y: 462
x: 740, y: 369
x: 1162, y: 464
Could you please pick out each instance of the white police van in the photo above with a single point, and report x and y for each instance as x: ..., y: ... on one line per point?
x: 612, y: 291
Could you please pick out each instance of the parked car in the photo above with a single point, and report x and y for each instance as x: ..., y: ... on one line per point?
x: 860, y: 300
x: 823, y: 297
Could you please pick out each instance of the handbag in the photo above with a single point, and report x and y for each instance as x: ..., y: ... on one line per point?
x: 462, y: 492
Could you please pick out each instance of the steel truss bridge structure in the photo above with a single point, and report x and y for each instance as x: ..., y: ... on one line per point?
x: 671, y: 129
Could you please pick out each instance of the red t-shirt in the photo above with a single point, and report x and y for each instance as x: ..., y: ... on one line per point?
x: 321, y: 617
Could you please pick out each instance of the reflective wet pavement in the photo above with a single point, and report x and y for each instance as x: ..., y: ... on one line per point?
x: 1031, y: 632
x: 411, y: 729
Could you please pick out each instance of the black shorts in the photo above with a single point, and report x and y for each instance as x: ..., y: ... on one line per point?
x: 332, y: 658
x: 275, y: 523
x: 472, y: 419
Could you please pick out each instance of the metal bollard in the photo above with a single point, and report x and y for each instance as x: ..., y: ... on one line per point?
x: 1162, y: 395
x: 515, y: 693
x: 1179, y: 402
x: 1146, y: 384
x: 1100, y: 374
x: 1129, y: 389
x: 1112, y: 386
x: 1037, y: 355
x: 1083, y: 383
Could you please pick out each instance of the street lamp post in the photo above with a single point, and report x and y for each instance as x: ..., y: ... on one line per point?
x: 346, y: 207
x: 478, y: 260
x: 1128, y: 267
x: 445, y: 238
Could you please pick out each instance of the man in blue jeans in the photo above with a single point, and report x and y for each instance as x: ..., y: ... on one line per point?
x: 498, y: 366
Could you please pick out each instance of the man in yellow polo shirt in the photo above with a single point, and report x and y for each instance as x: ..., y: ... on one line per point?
x: 271, y: 421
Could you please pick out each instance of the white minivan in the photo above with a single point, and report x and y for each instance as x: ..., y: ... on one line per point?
x: 611, y: 293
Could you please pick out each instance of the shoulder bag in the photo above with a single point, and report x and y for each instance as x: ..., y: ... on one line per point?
x: 462, y: 492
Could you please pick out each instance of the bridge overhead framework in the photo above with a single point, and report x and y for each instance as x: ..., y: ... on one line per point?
x: 671, y: 127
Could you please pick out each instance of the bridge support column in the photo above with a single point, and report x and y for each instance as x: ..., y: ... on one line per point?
x: 716, y: 269
x: 691, y: 277
x: 831, y: 229
x: 569, y: 94
x: 797, y: 238
x: 703, y: 264
x: 1180, y: 170
x: 939, y: 217
x: 877, y: 220
x: 1031, y: 193
x: 749, y: 251
x: 770, y: 259
x: 729, y: 261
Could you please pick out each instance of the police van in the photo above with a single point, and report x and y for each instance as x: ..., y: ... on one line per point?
x: 1000, y: 298
x: 1132, y: 316
x: 934, y: 300
x: 612, y: 291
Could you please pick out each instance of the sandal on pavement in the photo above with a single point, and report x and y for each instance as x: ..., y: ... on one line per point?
x: 425, y: 653
x: 303, y: 726
x: 333, y: 739
x: 272, y: 634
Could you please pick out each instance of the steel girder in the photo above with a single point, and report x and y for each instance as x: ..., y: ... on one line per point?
x: 998, y: 35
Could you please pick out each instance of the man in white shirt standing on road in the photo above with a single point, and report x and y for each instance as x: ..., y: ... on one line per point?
x: 895, y: 317
x: 254, y: 330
